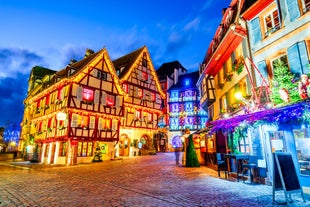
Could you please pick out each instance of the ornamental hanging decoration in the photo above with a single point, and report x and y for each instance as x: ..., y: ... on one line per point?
x: 284, y: 95
x: 303, y: 86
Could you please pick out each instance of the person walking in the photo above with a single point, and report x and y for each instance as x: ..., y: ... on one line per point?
x: 184, y: 140
x: 177, y: 145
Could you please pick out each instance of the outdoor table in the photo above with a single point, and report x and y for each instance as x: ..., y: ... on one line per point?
x: 236, y: 157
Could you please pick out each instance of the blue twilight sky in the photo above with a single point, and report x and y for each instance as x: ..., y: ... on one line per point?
x: 50, y: 33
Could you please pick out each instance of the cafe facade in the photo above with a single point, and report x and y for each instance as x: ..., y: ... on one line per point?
x: 283, y: 129
x: 251, y: 110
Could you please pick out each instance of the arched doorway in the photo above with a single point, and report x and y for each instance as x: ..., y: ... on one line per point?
x: 160, y: 142
x: 124, y: 144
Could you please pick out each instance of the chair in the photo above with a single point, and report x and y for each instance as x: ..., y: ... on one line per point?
x: 249, y: 166
x: 220, y: 164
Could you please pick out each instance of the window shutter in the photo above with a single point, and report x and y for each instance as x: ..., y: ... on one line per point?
x: 104, y: 98
x: 245, y: 48
x: 96, y: 99
x: 136, y: 92
x: 144, y: 92
x: 79, y: 93
x: 262, y: 67
x: 100, y: 123
x: 74, y: 120
x: 282, y: 7
x: 293, y: 59
x: 114, y: 125
x: 304, y: 59
x: 92, y: 122
x: 248, y: 86
x: 256, y: 33
x: 125, y: 113
x: 149, y: 77
x: 95, y: 72
x: 293, y: 9
x: 118, y: 101
x: 62, y: 93
x: 155, y: 120
x: 109, y: 78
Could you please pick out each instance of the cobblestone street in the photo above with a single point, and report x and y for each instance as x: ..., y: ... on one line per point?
x: 136, y: 181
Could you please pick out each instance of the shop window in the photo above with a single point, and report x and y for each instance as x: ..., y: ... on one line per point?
x: 79, y: 151
x: 302, y: 142
x: 277, y: 141
x: 63, y: 149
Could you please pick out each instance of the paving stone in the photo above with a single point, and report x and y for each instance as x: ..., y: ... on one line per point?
x: 152, y: 181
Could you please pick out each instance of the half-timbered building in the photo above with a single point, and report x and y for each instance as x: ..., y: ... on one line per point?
x: 142, y: 103
x: 75, y: 113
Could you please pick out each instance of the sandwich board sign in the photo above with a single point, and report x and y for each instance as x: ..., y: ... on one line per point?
x: 285, y: 177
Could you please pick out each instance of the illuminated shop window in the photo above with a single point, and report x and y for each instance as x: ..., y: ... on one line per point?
x: 63, y: 149
x: 302, y: 142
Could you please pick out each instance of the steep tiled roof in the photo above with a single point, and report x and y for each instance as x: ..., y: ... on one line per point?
x: 193, y: 77
x: 124, y: 63
x: 167, y: 69
x: 247, y: 4
x: 40, y: 72
x: 77, y: 65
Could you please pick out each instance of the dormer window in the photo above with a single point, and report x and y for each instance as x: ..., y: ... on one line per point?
x: 144, y: 60
x: 118, y: 72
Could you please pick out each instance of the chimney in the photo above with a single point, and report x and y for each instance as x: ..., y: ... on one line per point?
x: 176, y: 76
x: 88, y: 53
x: 72, y: 61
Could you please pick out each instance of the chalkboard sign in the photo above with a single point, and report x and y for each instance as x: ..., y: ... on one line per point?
x: 284, y: 174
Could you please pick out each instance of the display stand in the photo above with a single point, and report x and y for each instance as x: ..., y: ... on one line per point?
x: 285, y: 177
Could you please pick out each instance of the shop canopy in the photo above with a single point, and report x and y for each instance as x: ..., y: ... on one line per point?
x: 294, y: 113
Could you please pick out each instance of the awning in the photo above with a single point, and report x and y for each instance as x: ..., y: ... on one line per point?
x: 285, y: 114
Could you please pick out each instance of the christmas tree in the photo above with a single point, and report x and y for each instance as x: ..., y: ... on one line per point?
x: 284, y: 87
x: 191, y: 156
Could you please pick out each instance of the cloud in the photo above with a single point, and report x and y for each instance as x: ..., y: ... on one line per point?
x: 192, y: 25
x: 14, y: 60
x: 12, y: 93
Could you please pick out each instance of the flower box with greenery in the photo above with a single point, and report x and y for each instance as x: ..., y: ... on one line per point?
x: 238, y: 65
x: 229, y: 76
x: 220, y: 85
